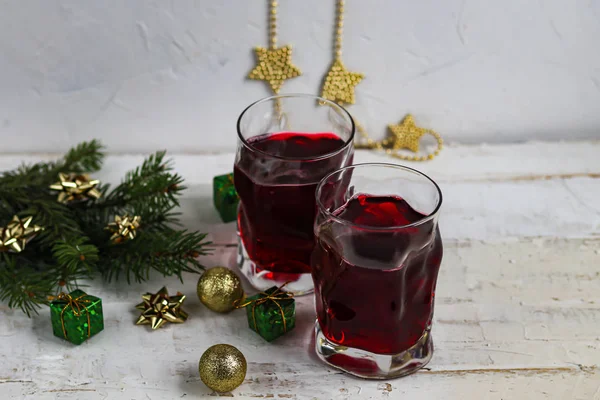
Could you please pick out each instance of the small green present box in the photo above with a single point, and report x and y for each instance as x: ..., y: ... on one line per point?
x: 271, y: 313
x: 76, y: 316
x: 225, y: 197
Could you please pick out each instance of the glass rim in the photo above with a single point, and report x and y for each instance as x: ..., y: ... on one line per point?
x: 318, y: 99
x: 329, y: 214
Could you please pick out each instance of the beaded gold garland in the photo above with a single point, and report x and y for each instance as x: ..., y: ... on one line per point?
x: 339, y: 86
x: 339, y: 83
x: 274, y: 65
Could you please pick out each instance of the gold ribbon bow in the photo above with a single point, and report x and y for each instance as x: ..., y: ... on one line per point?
x: 77, y: 304
x: 278, y: 294
x: 18, y: 232
x: 75, y: 187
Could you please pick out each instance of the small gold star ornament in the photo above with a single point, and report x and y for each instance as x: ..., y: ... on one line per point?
x: 339, y: 83
x: 406, y: 135
x: 274, y: 66
x: 160, y: 308
x: 76, y: 187
x: 123, y: 228
x: 17, y: 233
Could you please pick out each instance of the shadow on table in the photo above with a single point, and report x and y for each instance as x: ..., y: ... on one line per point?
x: 42, y: 327
x: 191, y: 384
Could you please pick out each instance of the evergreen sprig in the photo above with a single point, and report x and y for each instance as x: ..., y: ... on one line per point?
x: 75, y: 245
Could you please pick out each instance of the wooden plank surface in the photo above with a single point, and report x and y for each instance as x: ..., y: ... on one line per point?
x: 517, y: 306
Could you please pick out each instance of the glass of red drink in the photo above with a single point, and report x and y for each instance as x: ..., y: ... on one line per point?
x: 375, y: 267
x: 286, y: 145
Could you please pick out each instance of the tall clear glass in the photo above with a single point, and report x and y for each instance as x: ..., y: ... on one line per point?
x: 286, y: 145
x: 375, y: 268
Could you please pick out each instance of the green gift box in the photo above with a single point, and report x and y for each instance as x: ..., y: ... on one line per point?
x: 271, y: 313
x: 225, y: 197
x: 76, y: 316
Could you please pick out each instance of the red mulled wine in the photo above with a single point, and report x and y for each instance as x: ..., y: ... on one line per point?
x: 375, y: 269
x: 276, y: 176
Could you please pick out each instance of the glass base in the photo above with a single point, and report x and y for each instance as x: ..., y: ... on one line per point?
x: 368, y: 365
x: 263, y: 279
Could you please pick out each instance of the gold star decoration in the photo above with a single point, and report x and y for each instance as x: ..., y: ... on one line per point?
x: 274, y: 66
x: 158, y: 309
x: 123, y: 228
x: 76, y: 187
x: 406, y: 135
x: 18, y: 232
x: 339, y: 83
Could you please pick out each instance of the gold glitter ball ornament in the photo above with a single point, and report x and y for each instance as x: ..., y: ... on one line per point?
x: 222, y: 368
x: 274, y: 66
x: 123, y: 228
x: 76, y: 187
x: 218, y: 288
x: 17, y: 233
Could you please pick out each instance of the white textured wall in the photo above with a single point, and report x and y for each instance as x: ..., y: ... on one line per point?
x: 143, y: 75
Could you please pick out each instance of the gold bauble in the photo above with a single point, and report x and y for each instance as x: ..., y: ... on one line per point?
x: 222, y: 368
x: 218, y: 288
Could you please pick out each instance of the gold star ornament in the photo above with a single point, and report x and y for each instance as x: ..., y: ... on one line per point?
x: 339, y: 83
x: 160, y: 308
x: 274, y: 66
x: 123, y: 228
x: 406, y: 135
x: 18, y: 232
x: 76, y: 187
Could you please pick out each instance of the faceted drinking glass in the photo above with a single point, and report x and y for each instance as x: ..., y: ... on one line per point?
x: 375, y: 268
x: 286, y: 145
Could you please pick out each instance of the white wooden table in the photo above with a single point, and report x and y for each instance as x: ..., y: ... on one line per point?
x: 517, y: 308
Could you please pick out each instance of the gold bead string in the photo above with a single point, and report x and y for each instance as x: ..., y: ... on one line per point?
x: 281, y: 115
x: 273, y: 25
x: 389, y: 145
x: 273, y: 64
x: 339, y: 30
x: 273, y: 45
x: 338, y: 82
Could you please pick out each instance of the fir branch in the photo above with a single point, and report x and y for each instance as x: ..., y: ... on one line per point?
x: 75, y: 259
x: 151, y: 185
x: 75, y: 245
x: 169, y: 252
x: 24, y: 286
x: 86, y: 157
x: 56, y: 219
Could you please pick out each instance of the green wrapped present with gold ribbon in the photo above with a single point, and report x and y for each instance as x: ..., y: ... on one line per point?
x: 225, y: 197
x: 76, y: 316
x: 271, y: 313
